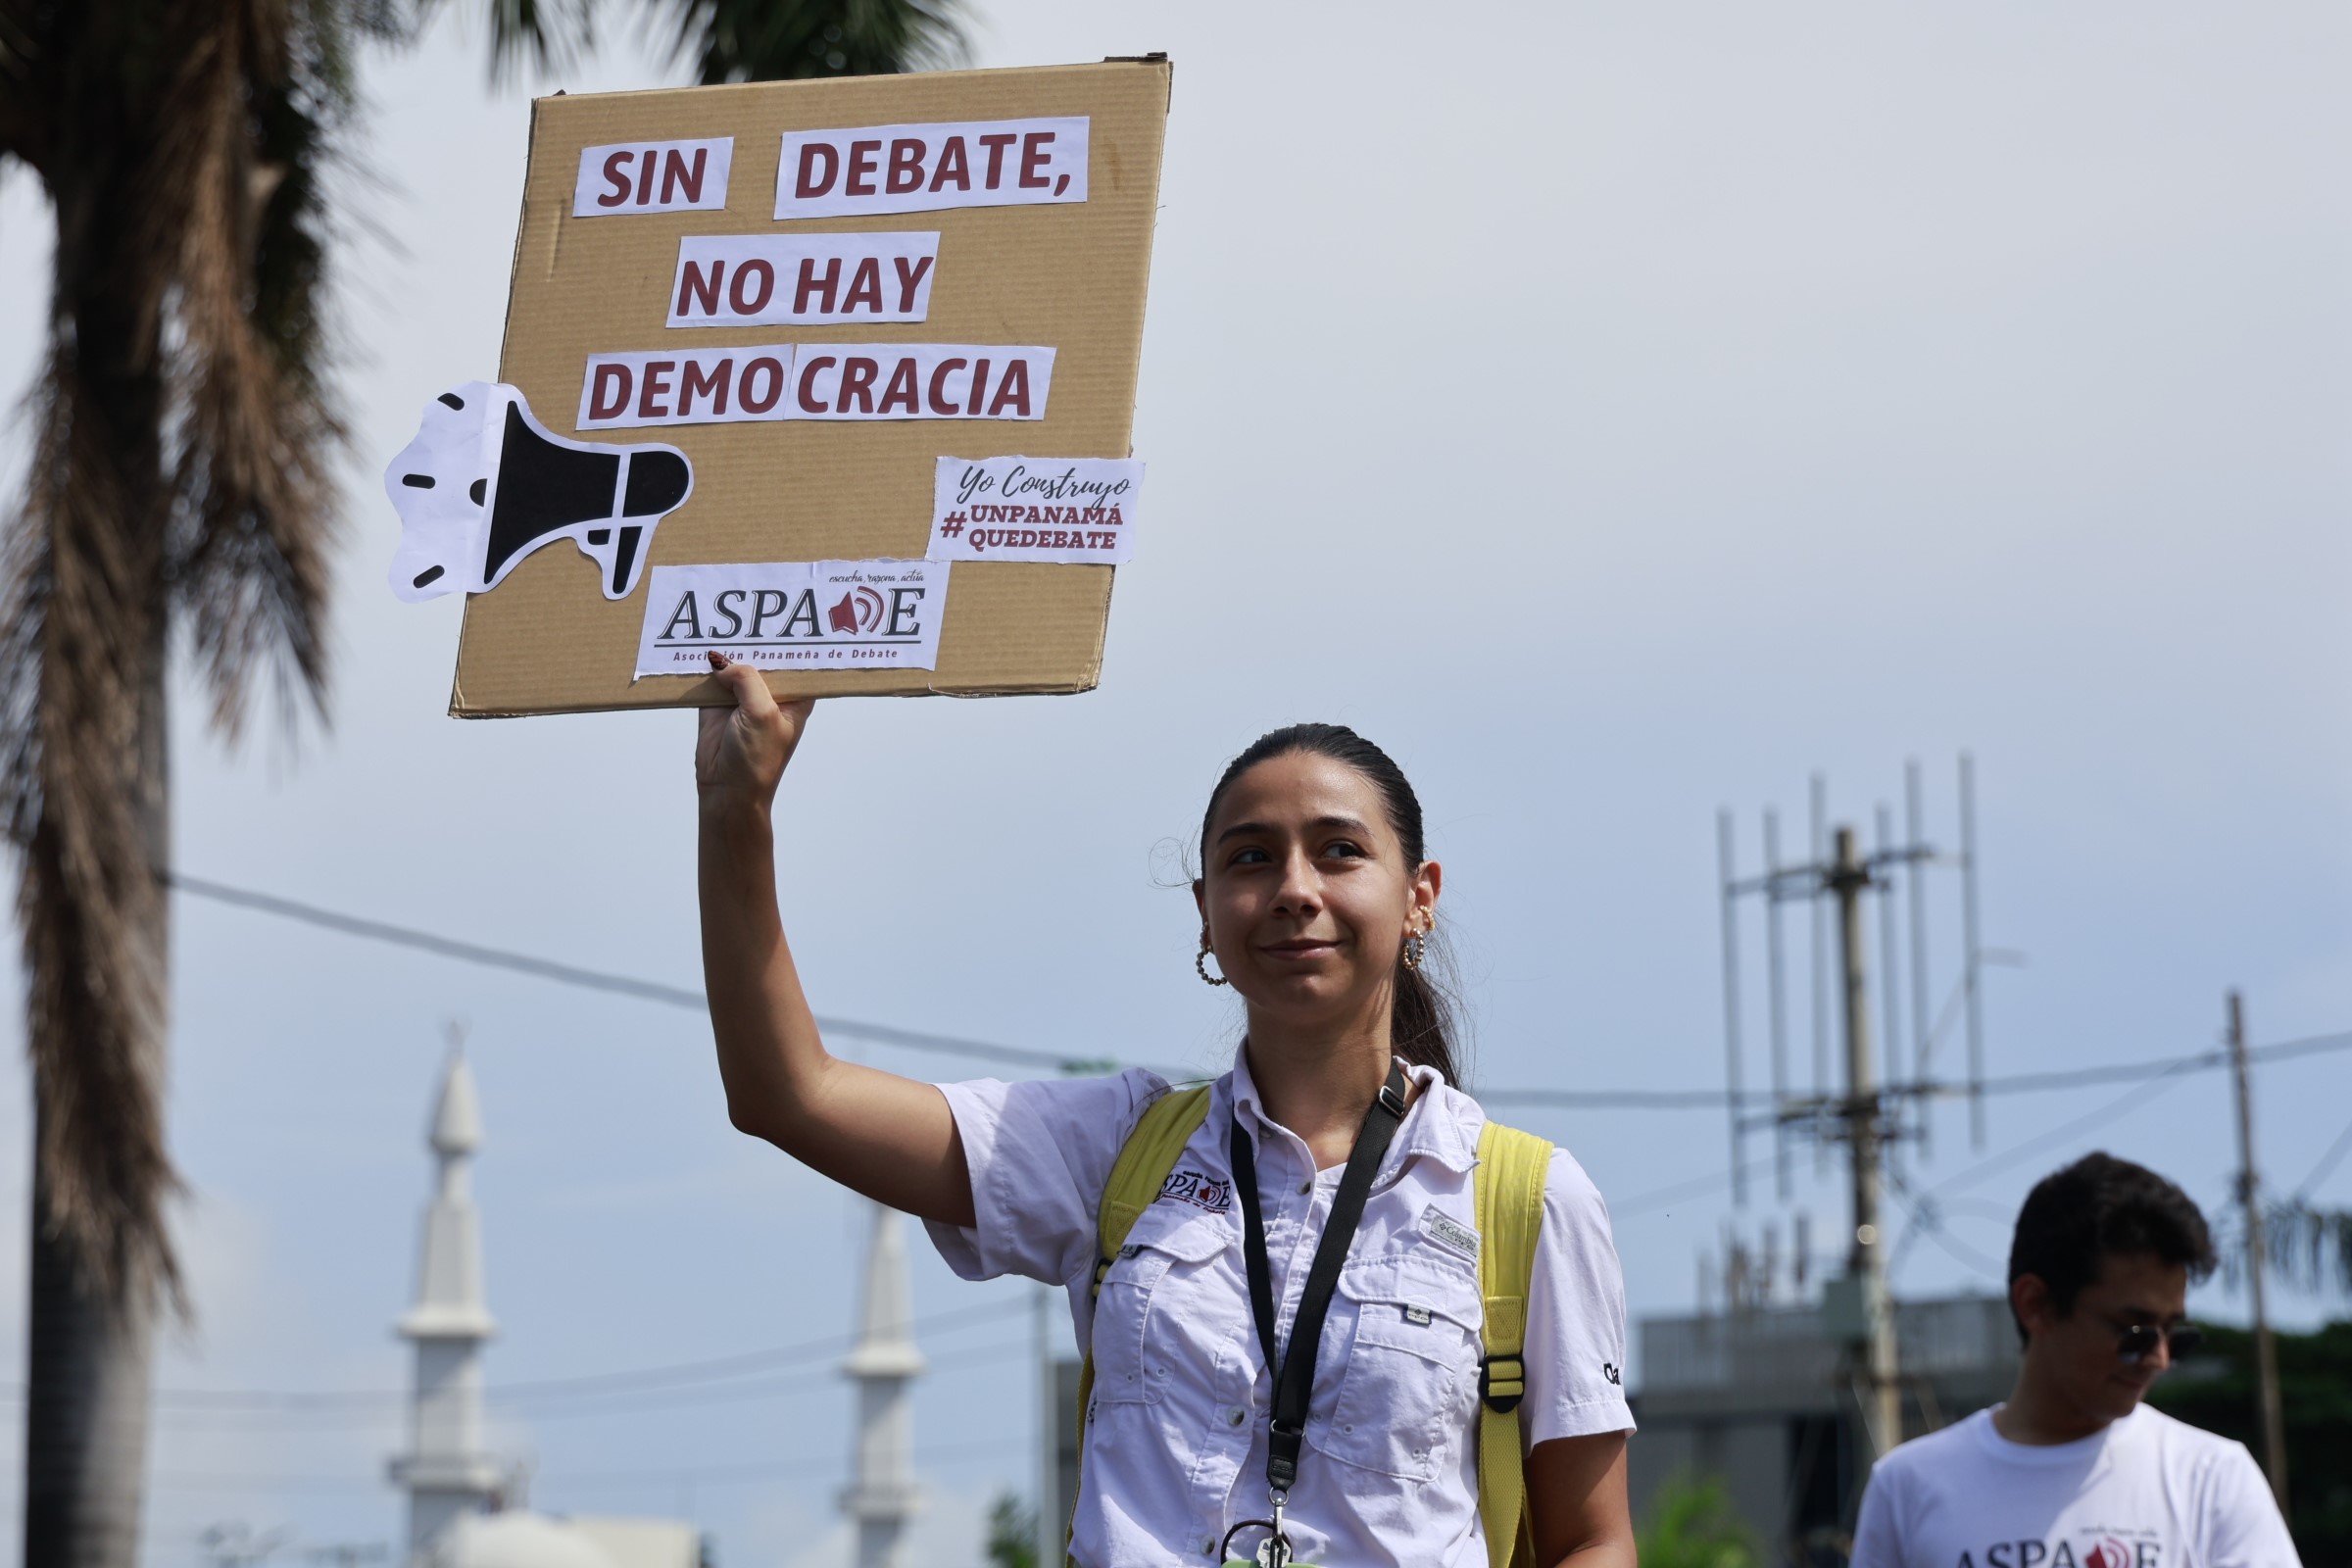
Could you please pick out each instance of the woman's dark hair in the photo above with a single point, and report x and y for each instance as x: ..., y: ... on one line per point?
x: 1421, y: 1014
x: 2100, y: 1207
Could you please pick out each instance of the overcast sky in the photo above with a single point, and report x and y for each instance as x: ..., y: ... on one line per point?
x: 1618, y: 415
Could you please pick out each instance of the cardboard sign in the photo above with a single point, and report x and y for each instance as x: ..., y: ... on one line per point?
x: 724, y: 263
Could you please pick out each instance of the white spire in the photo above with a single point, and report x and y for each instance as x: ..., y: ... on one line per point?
x: 447, y: 1471
x: 882, y: 1496
x: 457, y: 1118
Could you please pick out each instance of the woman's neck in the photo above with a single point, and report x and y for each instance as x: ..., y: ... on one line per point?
x: 1319, y: 1087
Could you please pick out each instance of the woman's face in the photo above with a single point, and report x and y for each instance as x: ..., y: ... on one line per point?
x: 1305, y: 893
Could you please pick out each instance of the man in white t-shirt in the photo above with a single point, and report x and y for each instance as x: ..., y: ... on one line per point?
x: 2074, y: 1471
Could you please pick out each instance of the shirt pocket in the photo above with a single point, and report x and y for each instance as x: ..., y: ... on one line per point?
x: 1410, y: 1375
x: 1149, y: 1316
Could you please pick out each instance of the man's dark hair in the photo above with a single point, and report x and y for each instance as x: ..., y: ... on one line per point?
x: 2100, y: 1208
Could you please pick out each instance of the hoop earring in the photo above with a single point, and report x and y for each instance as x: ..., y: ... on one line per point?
x: 1201, y: 966
x: 1416, y: 947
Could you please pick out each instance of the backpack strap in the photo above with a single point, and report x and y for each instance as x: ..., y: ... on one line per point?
x: 1509, y: 1189
x: 1136, y: 1178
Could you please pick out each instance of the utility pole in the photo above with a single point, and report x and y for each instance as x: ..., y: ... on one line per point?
x: 1873, y: 1114
x: 1866, y: 1263
x: 2249, y: 1198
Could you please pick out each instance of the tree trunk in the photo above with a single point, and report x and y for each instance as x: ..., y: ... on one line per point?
x: 92, y: 912
x: 85, y: 1419
x: 90, y: 1351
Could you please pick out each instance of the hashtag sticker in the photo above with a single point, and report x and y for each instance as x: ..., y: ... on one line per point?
x: 1072, y: 511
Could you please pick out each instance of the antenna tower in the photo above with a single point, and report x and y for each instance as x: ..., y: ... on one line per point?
x: 1877, y: 1109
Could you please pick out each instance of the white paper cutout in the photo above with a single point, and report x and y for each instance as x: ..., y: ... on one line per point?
x: 1066, y: 510
x: 865, y: 170
x: 686, y: 386
x: 794, y: 614
x: 920, y: 381
x: 484, y: 484
x: 653, y: 177
x: 768, y: 279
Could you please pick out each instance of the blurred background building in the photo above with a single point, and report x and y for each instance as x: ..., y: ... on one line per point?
x: 1759, y: 1397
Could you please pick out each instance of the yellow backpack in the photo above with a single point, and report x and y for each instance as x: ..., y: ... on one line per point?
x: 1508, y: 1191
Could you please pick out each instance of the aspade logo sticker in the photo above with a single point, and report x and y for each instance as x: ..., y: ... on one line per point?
x: 830, y: 614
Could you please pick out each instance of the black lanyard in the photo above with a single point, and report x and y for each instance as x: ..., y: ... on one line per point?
x: 1294, y: 1376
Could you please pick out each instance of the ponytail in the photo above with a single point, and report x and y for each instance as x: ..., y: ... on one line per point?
x: 1421, y: 1019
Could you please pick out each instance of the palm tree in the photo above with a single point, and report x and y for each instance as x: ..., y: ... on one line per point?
x: 184, y: 432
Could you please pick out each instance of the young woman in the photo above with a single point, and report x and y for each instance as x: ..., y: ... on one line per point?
x: 1316, y: 901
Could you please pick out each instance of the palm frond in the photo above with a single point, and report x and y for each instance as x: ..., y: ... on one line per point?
x: 83, y: 802
x: 548, y: 34
x: 764, y: 40
x: 184, y: 437
x: 258, y: 424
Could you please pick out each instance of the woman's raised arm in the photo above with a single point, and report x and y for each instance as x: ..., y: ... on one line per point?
x: 888, y: 1136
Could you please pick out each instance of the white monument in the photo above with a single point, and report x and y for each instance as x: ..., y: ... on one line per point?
x: 461, y: 1512
x: 447, y: 1471
x: 881, y: 1496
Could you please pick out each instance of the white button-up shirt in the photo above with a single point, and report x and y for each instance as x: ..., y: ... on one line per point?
x: 1176, y: 1441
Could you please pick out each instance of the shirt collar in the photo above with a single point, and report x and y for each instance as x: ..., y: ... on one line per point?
x: 1442, y: 1123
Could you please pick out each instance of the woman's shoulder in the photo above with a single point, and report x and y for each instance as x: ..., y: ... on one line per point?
x: 1097, y: 1110
x: 1574, y: 1211
x: 1565, y: 1183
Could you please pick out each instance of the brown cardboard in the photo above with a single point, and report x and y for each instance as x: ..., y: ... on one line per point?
x: 1069, y: 275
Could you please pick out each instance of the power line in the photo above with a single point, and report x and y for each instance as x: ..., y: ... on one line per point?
x: 762, y: 1386
x: 682, y: 997
x: 787, y: 1468
x: 2130, y: 1099
x: 783, y: 1358
x: 1695, y: 1186
x: 475, y: 953
x: 2157, y: 1077
x: 1625, y: 1099
x: 2319, y: 1172
x: 784, y: 1469
x: 1926, y: 1217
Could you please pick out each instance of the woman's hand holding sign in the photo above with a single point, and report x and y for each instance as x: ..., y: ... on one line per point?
x: 741, y: 751
x: 888, y: 1136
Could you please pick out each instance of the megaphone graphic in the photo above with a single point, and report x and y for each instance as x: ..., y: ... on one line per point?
x: 484, y: 484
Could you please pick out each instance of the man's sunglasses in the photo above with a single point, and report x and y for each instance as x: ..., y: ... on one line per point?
x: 2138, y: 1342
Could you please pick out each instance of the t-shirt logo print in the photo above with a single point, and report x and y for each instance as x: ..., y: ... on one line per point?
x: 1202, y: 1192
x: 2106, y: 1551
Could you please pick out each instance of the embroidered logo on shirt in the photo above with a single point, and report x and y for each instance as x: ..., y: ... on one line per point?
x: 1609, y: 1369
x: 1448, y: 1230
x: 1202, y: 1192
